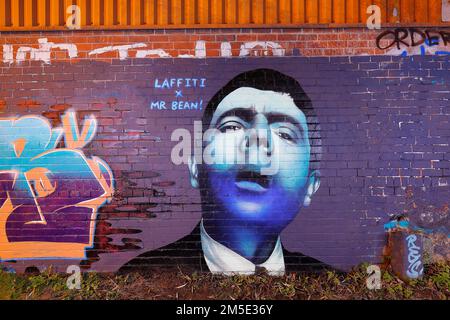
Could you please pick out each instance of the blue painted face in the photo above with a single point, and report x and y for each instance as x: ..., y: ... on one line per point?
x: 258, y: 164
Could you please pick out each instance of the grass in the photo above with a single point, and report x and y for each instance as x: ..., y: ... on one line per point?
x: 179, y: 284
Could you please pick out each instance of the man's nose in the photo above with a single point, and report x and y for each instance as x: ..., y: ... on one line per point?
x: 257, y: 143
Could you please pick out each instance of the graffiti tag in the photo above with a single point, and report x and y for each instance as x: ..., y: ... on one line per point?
x: 409, y: 41
x: 415, y: 268
x: 49, y: 194
x: 43, y: 53
x: 411, y: 37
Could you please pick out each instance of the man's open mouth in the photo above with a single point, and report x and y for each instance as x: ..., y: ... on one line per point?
x: 253, y: 181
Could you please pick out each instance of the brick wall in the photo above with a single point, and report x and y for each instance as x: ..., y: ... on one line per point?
x: 309, y: 42
x: 226, y: 42
x: 86, y: 144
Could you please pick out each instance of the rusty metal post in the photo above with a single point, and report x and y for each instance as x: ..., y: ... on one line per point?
x: 406, y: 249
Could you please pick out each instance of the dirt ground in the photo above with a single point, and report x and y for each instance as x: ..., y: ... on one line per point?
x: 156, y: 284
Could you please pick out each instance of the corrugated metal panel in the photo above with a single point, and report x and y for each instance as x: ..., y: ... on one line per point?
x: 123, y: 14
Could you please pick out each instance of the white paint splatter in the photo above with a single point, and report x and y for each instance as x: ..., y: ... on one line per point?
x: 185, y: 56
x: 154, y: 52
x: 200, y: 49
x: 43, y: 53
x: 72, y: 49
x: 22, y: 54
x: 276, y: 48
x: 8, y: 54
x: 123, y: 50
x: 225, y: 49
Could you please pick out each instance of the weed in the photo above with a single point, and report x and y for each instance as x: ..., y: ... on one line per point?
x: 183, y: 285
x: 442, y: 278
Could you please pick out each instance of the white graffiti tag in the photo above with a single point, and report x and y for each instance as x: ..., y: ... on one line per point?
x: 249, y: 47
x: 415, y: 268
x: 123, y: 50
x: 44, y: 54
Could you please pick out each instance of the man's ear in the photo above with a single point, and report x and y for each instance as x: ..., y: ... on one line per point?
x: 193, y: 171
x: 313, y: 186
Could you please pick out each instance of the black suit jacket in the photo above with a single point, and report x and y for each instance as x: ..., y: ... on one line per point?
x: 187, y: 252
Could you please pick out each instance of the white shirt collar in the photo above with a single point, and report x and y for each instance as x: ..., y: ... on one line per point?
x: 221, y: 259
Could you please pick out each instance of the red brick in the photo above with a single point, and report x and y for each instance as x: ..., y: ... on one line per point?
x: 287, y: 37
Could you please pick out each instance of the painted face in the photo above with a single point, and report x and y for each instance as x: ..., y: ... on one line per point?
x: 260, y: 150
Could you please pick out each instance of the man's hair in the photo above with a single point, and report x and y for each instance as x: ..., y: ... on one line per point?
x: 268, y: 79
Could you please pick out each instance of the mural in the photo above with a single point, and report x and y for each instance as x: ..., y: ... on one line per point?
x: 264, y: 148
x: 276, y: 164
x: 50, y: 191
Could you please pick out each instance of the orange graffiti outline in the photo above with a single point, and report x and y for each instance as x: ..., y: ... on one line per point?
x: 35, y: 249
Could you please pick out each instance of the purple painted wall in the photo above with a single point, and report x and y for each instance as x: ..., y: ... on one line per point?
x: 384, y: 127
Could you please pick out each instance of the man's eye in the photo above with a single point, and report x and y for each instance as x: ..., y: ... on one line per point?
x: 285, y: 136
x: 230, y: 127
